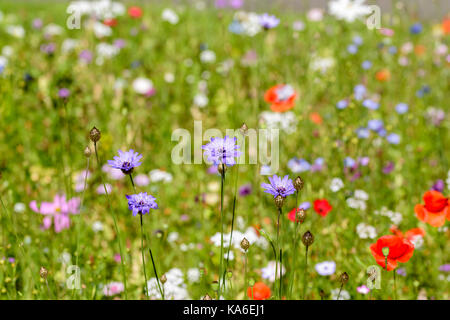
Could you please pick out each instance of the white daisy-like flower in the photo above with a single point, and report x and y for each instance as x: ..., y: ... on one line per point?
x: 170, y: 16
x: 207, y: 56
x: 142, y: 85
x: 19, y: 207
x: 201, y: 100
x: 326, y: 268
x: 169, y: 77
x: 173, y: 236
x: 101, y: 30
x: 343, y: 296
x: 53, y: 29
x: 157, y: 175
x: 16, y: 31
x: 365, y: 231
x: 348, y: 10
x: 336, y: 184
x: 193, y: 275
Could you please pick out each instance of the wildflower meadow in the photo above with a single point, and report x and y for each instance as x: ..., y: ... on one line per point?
x: 223, y: 150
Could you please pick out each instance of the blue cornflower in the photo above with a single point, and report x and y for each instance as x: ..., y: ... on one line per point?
x: 279, y: 187
x: 236, y: 27
x: 375, y: 125
x: 393, y: 138
x: 362, y: 133
x: 392, y: 49
x: 268, y: 21
x: 366, y: 65
x: 342, y: 104
x: 370, y: 104
x: 126, y: 161
x: 222, y: 151
x: 352, y: 48
x: 359, y: 92
x: 141, y: 203
x: 298, y: 165
x: 416, y: 28
x: 349, y: 162
x: 357, y: 40
x: 401, y: 108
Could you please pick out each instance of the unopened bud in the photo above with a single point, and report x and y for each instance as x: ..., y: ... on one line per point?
x: 43, y: 272
x: 222, y: 168
x: 298, y: 183
x: 343, y: 278
x: 279, y: 201
x: 245, y: 244
x: 244, y: 129
x: 385, y: 251
x: 87, y: 152
x: 95, y: 134
x: 308, y: 238
x: 215, y: 285
x: 163, y: 279
x: 301, y: 215
x: 207, y: 297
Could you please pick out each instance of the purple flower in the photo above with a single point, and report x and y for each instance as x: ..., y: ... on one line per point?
x: 11, y: 260
x: 349, y: 162
x: 304, y: 205
x: 370, y: 104
x: 401, y: 108
x: 64, y: 93
x: 119, y: 43
x: 416, y: 28
x: 362, y: 133
x: 438, y: 185
x: 141, y: 203
x: 326, y: 268
x: 86, y: 56
x: 352, y: 48
x: 359, y: 91
x: 357, y: 40
x: 366, y: 65
x: 126, y: 161
x: 342, y: 104
x: 445, y: 267
x: 245, y: 190
x: 298, y: 165
x: 48, y: 48
x: 388, y: 167
x: 317, y: 165
x: 142, y: 180
x: 222, y: 151
x: 401, y: 271
x: 268, y: 21
x: 364, y: 161
x: 279, y: 187
x: 375, y: 125
x: 37, y: 23
x: 393, y: 138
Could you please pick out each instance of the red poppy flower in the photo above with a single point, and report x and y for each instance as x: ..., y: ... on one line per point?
x: 260, y: 291
x: 400, y: 250
x: 435, y: 210
x: 383, y: 75
x: 322, y: 207
x: 282, y: 97
x: 446, y: 26
x: 315, y: 117
x: 135, y: 12
x: 411, y: 234
x: 110, y: 22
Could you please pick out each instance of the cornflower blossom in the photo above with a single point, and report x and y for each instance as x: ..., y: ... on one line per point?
x: 222, y: 151
x: 59, y: 210
x: 268, y: 21
x: 141, y: 203
x: 279, y: 187
x: 326, y: 268
x: 126, y: 161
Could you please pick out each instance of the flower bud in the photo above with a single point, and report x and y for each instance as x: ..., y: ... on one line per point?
x: 207, y: 297
x: 245, y: 244
x: 385, y: 251
x: 298, y: 183
x: 95, y: 134
x: 301, y: 215
x: 343, y: 278
x: 163, y: 279
x: 308, y: 238
x: 279, y: 201
x: 43, y: 272
x: 87, y: 152
x: 244, y: 129
x: 222, y: 168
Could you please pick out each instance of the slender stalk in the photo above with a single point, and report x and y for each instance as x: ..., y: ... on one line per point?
x: 294, y: 254
x: 340, y: 289
x: 156, y: 274
x: 122, y: 256
x: 395, y: 285
x: 279, y: 244
x: 245, y: 274
x: 306, y: 271
x: 142, y: 253
x: 221, y: 226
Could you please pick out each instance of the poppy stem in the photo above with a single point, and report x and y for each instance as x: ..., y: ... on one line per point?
x: 280, y: 250
x: 294, y: 256
x: 395, y: 285
x: 122, y: 257
x: 245, y: 275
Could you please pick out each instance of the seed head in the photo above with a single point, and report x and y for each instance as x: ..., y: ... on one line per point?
x: 308, y: 238
x: 301, y: 215
x: 279, y: 201
x: 87, y: 152
x: 322, y: 293
x: 245, y: 244
x: 163, y: 279
x: 95, y: 134
x: 343, y: 278
x: 43, y: 272
x: 244, y: 129
x: 298, y: 183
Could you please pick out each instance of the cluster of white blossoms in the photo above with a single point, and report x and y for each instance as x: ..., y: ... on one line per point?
x: 247, y: 23
x: 102, y: 9
x: 322, y: 64
x: 105, y: 51
x: 358, y: 201
x: 285, y: 121
x: 343, y: 296
x: 142, y: 85
x: 396, y: 217
x: 348, y: 10
x: 174, y: 288
x: 336, y: 184
x: 170, y: 16
x: 365, y: 231
x: 250, y: 234
x: 158, y: 175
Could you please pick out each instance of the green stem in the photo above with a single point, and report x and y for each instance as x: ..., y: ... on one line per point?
x: 279, y: 244
x: 122, y: 256
x: 156, y: 274
x: 294, y: 254
x: 142, y: 253
x: 306, y: 271
x: 339, y: 295
x: 221, y: 226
